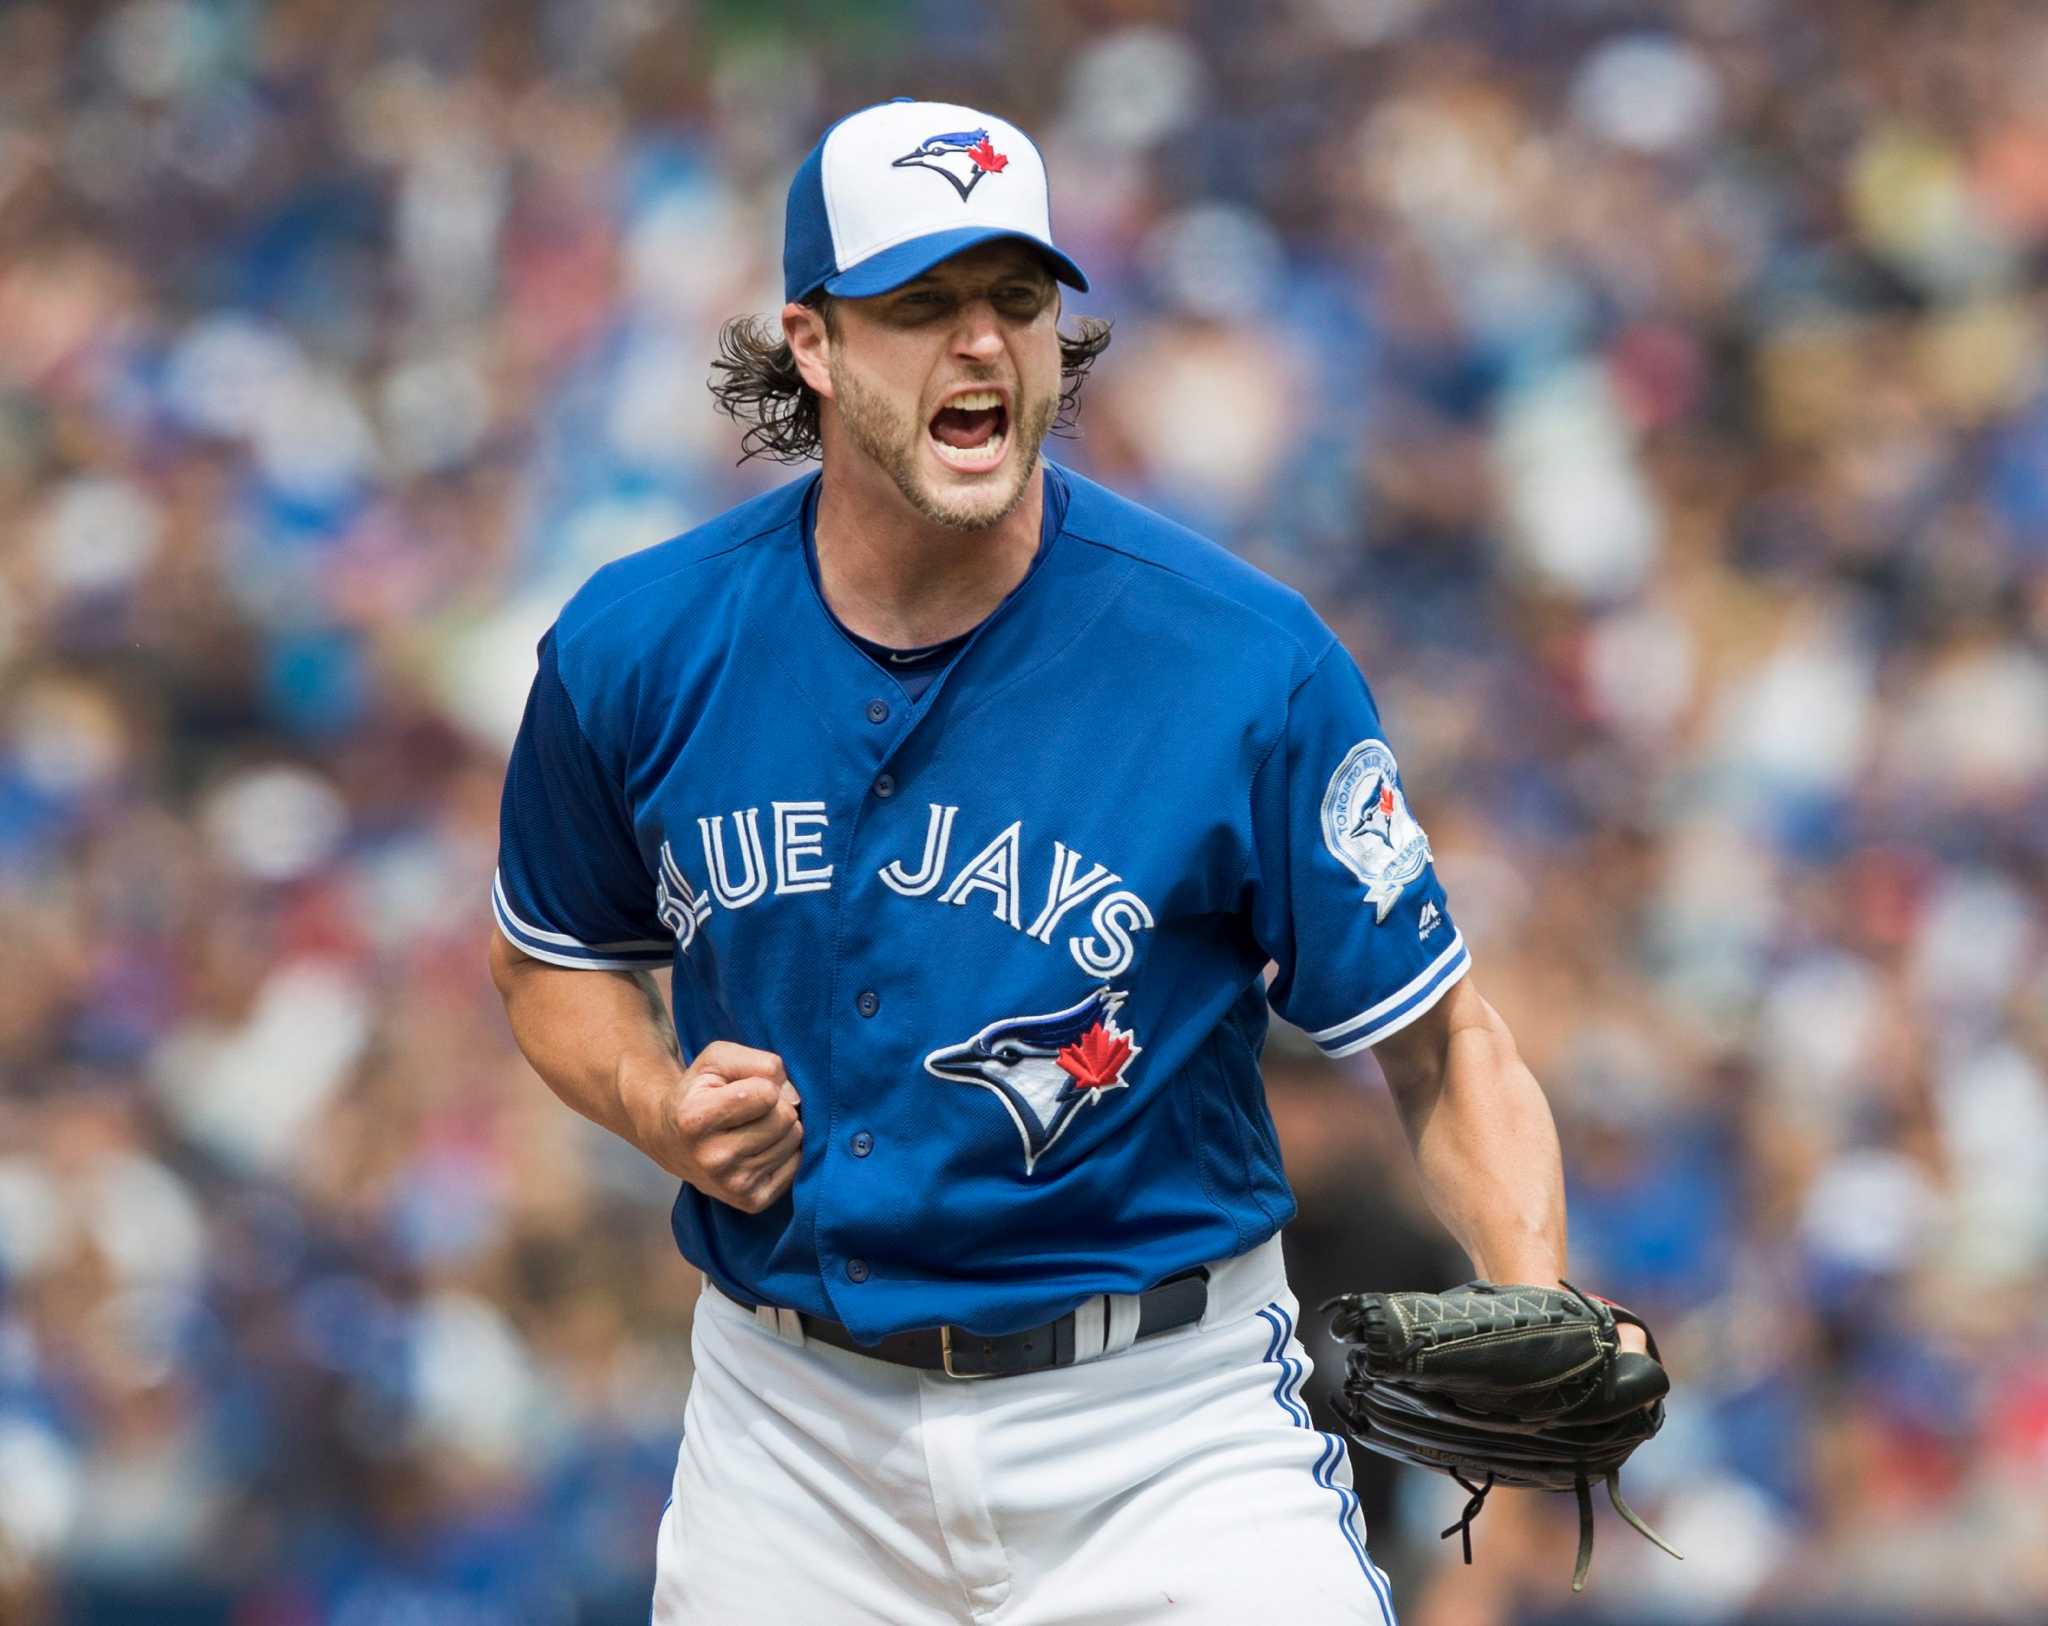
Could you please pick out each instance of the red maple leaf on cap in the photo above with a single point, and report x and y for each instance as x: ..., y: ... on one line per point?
x: 1095, y: 1062
x: 986, y: 157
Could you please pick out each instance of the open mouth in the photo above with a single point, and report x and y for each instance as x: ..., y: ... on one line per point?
x: 971, y: 431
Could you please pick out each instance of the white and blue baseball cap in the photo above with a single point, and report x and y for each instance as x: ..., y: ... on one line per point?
x: 892, y: 190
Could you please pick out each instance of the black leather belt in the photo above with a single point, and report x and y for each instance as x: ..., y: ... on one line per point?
x: 1176, y: 1302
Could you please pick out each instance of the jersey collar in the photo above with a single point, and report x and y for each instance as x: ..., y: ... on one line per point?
x: 1064, y: 597
x: 861, y: 670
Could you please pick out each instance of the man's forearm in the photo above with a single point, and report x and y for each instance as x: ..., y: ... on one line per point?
x: 595, y: 1037
x: 1485, y: 1143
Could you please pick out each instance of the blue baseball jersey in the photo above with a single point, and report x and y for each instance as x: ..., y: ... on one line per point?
x: 1010, y: 936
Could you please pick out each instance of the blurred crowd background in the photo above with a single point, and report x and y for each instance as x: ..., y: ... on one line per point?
x: 1655, y: 396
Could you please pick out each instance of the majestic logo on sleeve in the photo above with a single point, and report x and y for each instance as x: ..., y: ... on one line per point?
x: 961, y: 156
x: 1368, y: 828
x: 1044, y: 1069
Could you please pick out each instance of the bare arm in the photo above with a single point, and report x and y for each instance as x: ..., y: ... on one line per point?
x: 727, y: 1124
x: 1484, y: 1142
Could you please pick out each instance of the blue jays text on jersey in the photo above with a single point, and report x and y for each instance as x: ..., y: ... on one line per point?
x: 739, y: 875
x: 1009, y: 936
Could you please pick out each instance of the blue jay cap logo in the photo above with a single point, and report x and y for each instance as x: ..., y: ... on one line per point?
x: 1044, y: 1069
x: 962, y: 157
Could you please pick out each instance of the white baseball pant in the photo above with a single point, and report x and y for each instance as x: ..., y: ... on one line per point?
x: 1178, y: 1479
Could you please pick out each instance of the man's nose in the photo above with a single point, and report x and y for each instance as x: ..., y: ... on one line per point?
x: 978, y: 335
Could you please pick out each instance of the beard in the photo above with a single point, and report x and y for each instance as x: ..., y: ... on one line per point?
x: 890, y: 437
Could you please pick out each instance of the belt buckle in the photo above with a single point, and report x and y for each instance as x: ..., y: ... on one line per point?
x: 946, y: 1358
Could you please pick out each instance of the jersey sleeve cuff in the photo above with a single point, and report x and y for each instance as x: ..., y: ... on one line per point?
x: 558, y: 948
x: 1399, y: 1008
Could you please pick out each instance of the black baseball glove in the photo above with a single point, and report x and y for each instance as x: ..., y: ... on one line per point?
x: 1502, y: 1385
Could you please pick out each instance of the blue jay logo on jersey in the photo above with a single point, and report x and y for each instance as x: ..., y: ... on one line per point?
x: 1368, y: 828
x: 963, y: 157
x: 1045, y: 1069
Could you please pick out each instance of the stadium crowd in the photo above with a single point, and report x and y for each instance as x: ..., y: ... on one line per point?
x: 1656, y: 397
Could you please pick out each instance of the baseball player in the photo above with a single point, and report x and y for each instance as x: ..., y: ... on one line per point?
x: 968, y: 804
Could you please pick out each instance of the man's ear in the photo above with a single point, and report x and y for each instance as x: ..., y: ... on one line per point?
x: 810, y: 343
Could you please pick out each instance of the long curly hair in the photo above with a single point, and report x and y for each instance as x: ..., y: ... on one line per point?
x: 755, y: 382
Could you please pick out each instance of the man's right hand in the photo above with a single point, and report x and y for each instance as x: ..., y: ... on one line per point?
x: 730, y: 1125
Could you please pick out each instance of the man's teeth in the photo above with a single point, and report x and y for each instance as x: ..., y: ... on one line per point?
x: 976, y: 401
x: 987, y: 452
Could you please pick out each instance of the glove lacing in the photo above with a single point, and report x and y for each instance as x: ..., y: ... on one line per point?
x: 1464, y: 1525
x: 1584, y: 1490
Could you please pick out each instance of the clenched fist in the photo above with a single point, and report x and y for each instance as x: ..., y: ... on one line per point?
x: 731, y: 1125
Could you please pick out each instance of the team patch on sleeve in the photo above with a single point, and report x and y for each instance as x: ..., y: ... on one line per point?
x: 1368, y: 828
